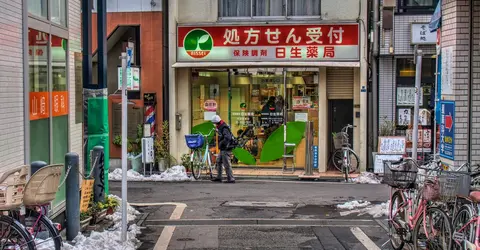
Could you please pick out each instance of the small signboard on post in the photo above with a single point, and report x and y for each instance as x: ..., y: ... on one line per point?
x: 86, y: 194
x: 391, y: 145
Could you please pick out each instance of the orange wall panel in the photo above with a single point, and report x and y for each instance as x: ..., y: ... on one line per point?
x: 151, y: 45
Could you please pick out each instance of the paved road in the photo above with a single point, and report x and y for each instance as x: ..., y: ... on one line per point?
x: 259, y: 215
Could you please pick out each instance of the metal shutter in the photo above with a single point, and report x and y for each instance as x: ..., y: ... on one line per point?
x: 339, y: 83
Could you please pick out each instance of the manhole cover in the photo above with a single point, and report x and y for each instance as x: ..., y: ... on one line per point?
x: 259, y: 204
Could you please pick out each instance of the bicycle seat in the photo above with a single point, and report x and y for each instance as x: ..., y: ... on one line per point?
x: 475, y: 196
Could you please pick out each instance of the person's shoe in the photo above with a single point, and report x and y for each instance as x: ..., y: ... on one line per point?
x: 216, y: 180
x: 230, y: 181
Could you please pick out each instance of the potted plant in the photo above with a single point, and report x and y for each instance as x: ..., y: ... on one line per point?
x: 110, y: 204
x: 387, y: 128
x: 134, y: 148
x: 85, y: 218
x: 162, y: 148
x: 98, y: 212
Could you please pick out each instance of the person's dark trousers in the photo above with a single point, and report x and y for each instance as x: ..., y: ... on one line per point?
x: 223, y: 159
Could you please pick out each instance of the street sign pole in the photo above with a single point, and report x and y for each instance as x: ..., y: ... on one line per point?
x: 418, y: 79
x: 126, y: 59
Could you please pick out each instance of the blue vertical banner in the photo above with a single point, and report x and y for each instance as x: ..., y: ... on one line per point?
x: 315, y: 157
x: 447, y: 129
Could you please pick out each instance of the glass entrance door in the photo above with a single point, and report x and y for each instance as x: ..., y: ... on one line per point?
x: 256, y: 103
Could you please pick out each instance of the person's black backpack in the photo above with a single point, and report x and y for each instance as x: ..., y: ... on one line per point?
x: 234, y: 142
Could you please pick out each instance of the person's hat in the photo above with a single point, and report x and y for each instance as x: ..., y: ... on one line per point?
x: 216, y: 119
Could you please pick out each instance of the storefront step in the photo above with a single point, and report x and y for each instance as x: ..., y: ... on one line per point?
x: 248, y: 173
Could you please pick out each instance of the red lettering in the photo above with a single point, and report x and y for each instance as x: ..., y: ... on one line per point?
x: 312, y: 52
x: 263, y: 52
x: 329, y: 52
x: 280, y: 52
x: 254, y: 52
x: 236, y: 52
x: 295, y: 52
x: 245, y: 52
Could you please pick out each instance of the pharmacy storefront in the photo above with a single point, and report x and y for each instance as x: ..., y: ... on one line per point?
x: 259, y: 77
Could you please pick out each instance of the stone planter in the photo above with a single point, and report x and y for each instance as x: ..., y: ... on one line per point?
x: 84, y: 223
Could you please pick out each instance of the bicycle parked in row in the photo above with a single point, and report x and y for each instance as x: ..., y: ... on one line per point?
x: 344, y: 158
x: 26, y: 202
x: 432, y: 207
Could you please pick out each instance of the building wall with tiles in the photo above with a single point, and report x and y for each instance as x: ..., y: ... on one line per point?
x: 476, y: 84
x: 11, y: 85
x: 455, y: 20
x: 75, y: 46
x: 386, y: 89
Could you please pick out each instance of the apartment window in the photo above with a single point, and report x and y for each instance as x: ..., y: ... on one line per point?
x: 417, y: 6
x: 269, y: 8
x: 57, y: 13
x: 38, y: 8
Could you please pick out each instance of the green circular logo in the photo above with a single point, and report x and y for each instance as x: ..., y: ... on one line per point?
x: 198, y: 43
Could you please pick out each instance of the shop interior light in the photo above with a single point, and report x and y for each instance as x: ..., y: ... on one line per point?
x: 296, y: 80
x: 242, y: 80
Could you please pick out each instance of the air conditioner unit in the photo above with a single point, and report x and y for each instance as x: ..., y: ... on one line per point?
x: 389, y: 3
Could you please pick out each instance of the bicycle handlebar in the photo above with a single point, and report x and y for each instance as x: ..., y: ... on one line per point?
x: 207, y: 135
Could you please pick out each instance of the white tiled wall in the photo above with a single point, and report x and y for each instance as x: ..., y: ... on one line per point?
x: 75, y: 30
x: 402, y: 37
x: 11, y: 85
x: 386, y: 89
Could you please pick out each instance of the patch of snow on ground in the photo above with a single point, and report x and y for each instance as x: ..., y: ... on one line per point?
x: 353, y: 204
x: 367, y: 178
x: 175, y: 173
x: 364, y: 207
x: 110, y: 239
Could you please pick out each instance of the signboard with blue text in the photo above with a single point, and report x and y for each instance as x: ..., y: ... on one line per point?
x: 315, y: 157
x: 447, y: 129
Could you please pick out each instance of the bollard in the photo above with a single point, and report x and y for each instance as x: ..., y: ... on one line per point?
x: 72, y: 197
x: 98, y: 174
x: 36, y: 165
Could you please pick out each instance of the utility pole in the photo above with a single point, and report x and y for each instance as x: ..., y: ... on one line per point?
x: 418, y: 80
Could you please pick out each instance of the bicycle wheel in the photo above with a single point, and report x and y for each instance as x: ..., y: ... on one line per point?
x: 337, y: 160
x: 43, y: 232
x: 461, y: 229
x: 196, y: 163
x: 14, y: 235
x: 394, y: 227
x: 433, y: 233
x: 210, y: 163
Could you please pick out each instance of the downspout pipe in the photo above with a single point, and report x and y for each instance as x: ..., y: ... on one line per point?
x: 165, y: 64
x: 470, y: 77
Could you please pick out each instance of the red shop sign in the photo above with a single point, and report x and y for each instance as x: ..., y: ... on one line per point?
x: 269, y: 43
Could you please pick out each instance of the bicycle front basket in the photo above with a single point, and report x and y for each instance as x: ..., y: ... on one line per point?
x: 399, y: 176
x: 194, y: 141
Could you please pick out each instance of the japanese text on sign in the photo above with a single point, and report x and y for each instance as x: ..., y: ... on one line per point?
x: 447, y: 130
x: 422, y: 35
x: 269, y: 42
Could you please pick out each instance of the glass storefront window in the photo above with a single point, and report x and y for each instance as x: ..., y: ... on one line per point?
x: 39, y: 95
x: 257, y: 104
x: 59, y: 12
x: 38, y: 8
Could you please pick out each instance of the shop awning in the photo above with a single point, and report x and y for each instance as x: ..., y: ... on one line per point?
x: 264, y: 64
x: 436, y: 20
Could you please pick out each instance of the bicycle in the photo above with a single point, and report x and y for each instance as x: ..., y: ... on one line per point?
x: 201, y: 156
x: 344, y: 158
x: 411, y: 216
x: 248, y: 141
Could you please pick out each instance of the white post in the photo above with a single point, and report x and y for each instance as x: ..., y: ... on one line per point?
x: 418, y: 80
x: 124, y: 146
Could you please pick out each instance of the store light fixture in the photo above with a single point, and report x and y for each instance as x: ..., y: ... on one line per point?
x: 242, y: 80
x: 296, y: 80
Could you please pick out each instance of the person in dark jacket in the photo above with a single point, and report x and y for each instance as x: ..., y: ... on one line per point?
x: 225, y: 144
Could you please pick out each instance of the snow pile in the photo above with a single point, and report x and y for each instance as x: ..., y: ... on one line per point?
x: 364, y: 207
x: 175, y: 173
x: 110, y: 239
x: 367, y: 178
x: 353, y: 204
